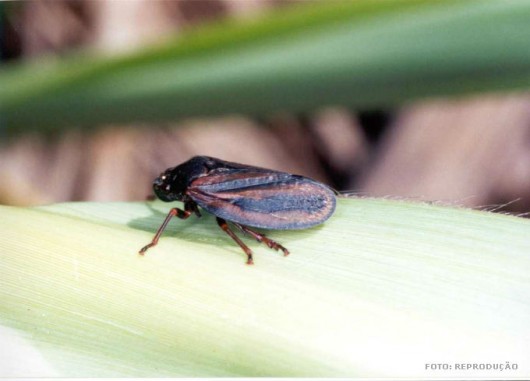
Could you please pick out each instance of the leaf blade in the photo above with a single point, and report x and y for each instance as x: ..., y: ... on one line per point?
x: 368, y: 56
x: 380, y: 281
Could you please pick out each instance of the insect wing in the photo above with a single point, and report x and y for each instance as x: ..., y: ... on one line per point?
x: 264, y: 199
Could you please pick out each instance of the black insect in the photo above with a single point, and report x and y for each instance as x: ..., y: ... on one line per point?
x: 245, y: 196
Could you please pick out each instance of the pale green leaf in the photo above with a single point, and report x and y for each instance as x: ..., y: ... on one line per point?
x: 381, y: 289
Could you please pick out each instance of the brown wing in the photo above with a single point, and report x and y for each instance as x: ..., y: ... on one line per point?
x: 264, y: 199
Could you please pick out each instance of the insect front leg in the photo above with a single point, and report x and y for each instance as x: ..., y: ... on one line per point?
x: 263, y: 239
x: 223, y: 225
x: 175, y: 212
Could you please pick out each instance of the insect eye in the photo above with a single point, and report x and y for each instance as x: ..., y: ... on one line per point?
x: 163, y: 177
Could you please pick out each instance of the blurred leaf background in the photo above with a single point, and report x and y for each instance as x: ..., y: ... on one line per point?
x: 413, y: 99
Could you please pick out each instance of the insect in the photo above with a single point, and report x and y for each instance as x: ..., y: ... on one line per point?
x: 244, y: 195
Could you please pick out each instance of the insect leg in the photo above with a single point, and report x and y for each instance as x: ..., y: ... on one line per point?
x: 196, y: 210
x: 262, y: 238
x: 223, y: 225
x: 175, y: 212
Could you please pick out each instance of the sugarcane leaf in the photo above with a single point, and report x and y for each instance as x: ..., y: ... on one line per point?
x: 382, y: 288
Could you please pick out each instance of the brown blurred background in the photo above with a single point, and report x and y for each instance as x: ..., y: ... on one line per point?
x: 472, y: 152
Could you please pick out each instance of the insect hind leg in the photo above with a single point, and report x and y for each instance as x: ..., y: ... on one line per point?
x: 224, y: 225
x: 263, y: 239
